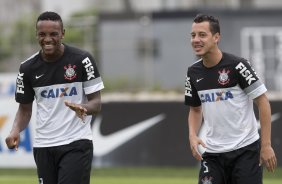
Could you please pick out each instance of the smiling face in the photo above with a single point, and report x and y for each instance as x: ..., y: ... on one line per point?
x: 49, y: 35
x: 202, y: 40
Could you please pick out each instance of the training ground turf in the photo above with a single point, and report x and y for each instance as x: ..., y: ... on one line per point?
x: 132, y: 175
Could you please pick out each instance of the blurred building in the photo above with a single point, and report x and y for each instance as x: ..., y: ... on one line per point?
x: 172, y: 5
x: 66, y: 7
x: 12, y: 10
x: 145, y: 44
x: 152, y: 51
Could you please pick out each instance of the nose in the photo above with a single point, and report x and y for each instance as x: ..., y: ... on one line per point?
x: 47, y: 38
x: 195, y: 38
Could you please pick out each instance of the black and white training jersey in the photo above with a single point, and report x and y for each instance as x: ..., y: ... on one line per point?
x: 225, y: 92
x: 71, y: 78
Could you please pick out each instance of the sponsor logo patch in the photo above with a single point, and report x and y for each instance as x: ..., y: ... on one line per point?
x: 207, y: 180
x: 244, y: 72
x: 198, y: 80
x: 20, y: 83
x: 216, y: 96
x: 89, y: 68
x: 37, y: 77
x: 70, y: 73
x: 223, y: 78
x: 188, y: 87
x: 105, y: 144
x: 59, y: 92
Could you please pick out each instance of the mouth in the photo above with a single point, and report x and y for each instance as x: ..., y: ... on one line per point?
x: 197, y: 47
x: 48, y: 49
x: 48, y: 46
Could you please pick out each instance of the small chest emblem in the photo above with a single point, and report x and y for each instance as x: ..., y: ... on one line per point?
x: 207, y: 180
x: 223, y: 77
x: 70, y: 73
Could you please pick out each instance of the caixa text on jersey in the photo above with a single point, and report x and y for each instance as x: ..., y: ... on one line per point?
x: 58, y: 92
x: 216, y: 96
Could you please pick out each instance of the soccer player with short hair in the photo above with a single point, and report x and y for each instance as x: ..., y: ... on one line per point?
x: 66, y: 84
x: 220, y: 90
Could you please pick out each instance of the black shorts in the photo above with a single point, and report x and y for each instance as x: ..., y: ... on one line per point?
x: 236, y: 167
x: 66, y: 164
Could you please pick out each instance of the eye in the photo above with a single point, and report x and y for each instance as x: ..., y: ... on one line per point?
x: 54, y: 34
x: 40, y: 34
x: 202, y: 35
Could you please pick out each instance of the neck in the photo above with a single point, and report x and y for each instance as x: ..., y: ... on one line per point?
x: 213, y: 58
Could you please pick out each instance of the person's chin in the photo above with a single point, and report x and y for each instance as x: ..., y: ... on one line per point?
x: 199, y: 54
x: 48, y: 51
x: 48, y: 54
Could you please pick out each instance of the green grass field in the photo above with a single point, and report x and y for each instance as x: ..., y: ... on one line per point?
x: 150, y: 175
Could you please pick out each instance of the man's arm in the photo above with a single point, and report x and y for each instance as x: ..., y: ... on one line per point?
x: 94, y: 103
x: 92, y: 107
x: 267, y: 155
x: 20, y: 123
x: 194, y: 122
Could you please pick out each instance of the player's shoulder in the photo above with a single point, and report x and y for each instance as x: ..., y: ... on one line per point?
x: 196, y: 64
x: 30, y: 61
x: 76, y: 52
x: 232, y: 59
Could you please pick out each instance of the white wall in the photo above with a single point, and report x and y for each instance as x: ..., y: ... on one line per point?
x: 8, y: 108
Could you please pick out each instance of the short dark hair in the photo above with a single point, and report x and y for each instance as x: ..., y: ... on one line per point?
x: 48, y: 15
x: 214, y: 23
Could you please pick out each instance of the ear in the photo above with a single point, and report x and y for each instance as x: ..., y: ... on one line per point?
x: 63, y: 33
x: 217, y: 37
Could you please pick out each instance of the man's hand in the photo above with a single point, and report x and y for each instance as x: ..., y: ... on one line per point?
x: 194, y: 142
x: 268, y: 158
x: 78, y: 109
x: 13, y: 140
